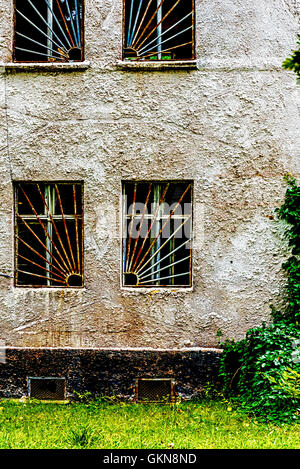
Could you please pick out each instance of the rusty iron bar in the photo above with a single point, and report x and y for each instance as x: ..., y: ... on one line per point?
x: 168, y: 39
x: 150, y: 227
x: 166, y: 267
x: 65, y: 272
x: 56, y: 230
x: 40, y: 276
x: 66, y: 228
x: 65, y: 23
x: 72, y: 23
x: 165, y: 257
x: 193, y: 30
x: 166, y: 50
x: 164, y: 278
x: 58, y: 23
x: 131, y: 226
x: 41, y: 45
x: 77, y: 23
x: 141, y: 224
x: 38, y: 239
x: 140, y: 269
x: 130, y: 21
x: 135, y: 22
x: 166, y: 31
x: 43, y: 226
x: 36, y: 27
x: 141, y: 22
x: 38, y: 254
x: 38, y: 53
x: 145, y: 28
x: 76, y: 229
x: 160, y: 248
x: 158, y: 24
x: 40, y: 266
x: 61, y: 38
x: 48, y: 26
x: 141, y: 28
x: 164, y: 225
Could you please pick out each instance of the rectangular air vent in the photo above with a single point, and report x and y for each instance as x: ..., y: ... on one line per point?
x: 47, y: 388
x: 155, y: 390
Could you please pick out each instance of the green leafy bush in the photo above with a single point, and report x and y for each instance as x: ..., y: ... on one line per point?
x: 293, y: 62
x: 261, y: 372
x: 253, y: 370
x: 289, y: 381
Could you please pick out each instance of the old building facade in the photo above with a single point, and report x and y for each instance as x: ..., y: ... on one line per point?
x: 219, y: 123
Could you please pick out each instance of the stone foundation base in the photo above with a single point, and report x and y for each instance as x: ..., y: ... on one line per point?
x: 108, y: 372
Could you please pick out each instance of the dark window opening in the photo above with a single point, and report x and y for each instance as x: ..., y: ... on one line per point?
x: 48, y: 31
x: 157, y: 234
x: 159, y: 30
x: 49, y: 234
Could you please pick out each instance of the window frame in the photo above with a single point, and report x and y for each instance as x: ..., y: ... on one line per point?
x: 143, y: 287
x: 45, y: 217
x: 159, y: 61
x: 45, y: 61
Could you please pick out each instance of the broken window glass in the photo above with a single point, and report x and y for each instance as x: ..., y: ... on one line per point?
x: 159, y: 30
x: 48, y: 30
x: 157, y: 234
x: 49, y: 234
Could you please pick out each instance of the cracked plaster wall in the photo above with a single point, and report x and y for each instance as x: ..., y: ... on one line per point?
x: 232, y: 126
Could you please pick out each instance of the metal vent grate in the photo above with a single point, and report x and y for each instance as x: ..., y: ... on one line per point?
x: 47, y: 388
x: 155, y: 390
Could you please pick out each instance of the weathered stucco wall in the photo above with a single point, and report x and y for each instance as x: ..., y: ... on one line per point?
x: 232, y: 125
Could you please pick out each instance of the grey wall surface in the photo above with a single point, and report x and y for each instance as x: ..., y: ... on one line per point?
x: 232, y: 125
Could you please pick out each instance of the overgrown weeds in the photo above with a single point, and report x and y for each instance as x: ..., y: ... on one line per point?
x: 208, y: 424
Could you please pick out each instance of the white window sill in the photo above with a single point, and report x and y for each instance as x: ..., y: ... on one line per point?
x: 125, y: 65
x: 44, y: 66
x: 157, y: 65
x: 154, y: 290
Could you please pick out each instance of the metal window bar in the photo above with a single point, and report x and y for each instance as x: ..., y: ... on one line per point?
x: 48, y: 30
x: 152, y: 256
x: 155, y: 251
x: 159, y: 28
x: 49, y: 242
x: 154, y: 22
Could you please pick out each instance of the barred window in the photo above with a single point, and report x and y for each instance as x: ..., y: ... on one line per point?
x: 157, y: 234
x: 48, y: 30
x: 159, y: 30
x: 49, y: 234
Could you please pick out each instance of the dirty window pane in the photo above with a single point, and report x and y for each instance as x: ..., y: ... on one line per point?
x: 159, y: 30
x: 48, y: 234
x: 157, y: 233
x: 48, y: 31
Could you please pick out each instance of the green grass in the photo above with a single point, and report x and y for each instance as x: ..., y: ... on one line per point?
x: 201, y: 425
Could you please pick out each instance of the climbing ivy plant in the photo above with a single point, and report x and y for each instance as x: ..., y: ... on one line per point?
x: 262, y: 371
x: 290, y: 213
x: 293, y: 62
